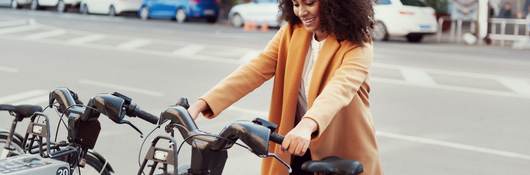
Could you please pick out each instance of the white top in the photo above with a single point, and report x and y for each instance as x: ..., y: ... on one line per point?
x: 303, y: 92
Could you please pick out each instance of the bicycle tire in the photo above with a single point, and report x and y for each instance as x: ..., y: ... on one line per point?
x: 14, y: 143
x: 96, y: 164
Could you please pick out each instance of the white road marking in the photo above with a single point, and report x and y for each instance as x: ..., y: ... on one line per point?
x: 443, y: 72
x: 453, y: 145
x: 86, y: 39
x: 417, y: 76
x: 8, y: 69
x: 189, y: 50
x: 10, y: 23
x: 249, y: 56
x: 121, y: 88
x: 230, y: 61
x: 133, y: 44
x: 18, y: 29
x: 517, y: 85
x: 21, y: 96
x: 46, y: 34
x: 428, y: 141
x: 33, y: 101
x: 453, y: 88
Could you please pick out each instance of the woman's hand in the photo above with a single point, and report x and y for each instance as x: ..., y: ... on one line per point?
x: 298, y: 139
x: 196, y: 108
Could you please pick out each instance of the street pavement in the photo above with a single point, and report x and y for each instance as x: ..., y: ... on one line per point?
x: 438, y: 108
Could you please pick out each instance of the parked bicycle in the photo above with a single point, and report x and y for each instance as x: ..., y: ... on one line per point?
x: 83, y: 130
x: 209, y: 151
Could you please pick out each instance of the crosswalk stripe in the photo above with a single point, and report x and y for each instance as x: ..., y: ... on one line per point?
x: 18, y: 29
x: 46, y: 34
x: 121, y: 88
x: 133, y: 44
x: 451, y: 88
x: 21, y: 96
x: 517, y: 85
x: 417, y: 76
x: 33, y: 101
x: 13, y: 23
x: 86, y: 39
x: 191, y: 49
x: 8, y: 69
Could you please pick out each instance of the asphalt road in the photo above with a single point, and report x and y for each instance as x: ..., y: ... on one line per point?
x: 438, y: 108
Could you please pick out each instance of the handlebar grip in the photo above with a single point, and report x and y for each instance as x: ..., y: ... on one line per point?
x: 6, y: 107
x: 276, y: 138
x: 145, y: 116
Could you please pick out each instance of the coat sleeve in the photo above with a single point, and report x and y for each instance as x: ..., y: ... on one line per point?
x: 245, y: 79
x: 342, y: 87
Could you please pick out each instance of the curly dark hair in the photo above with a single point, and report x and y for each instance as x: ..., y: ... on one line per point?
x: 350, y: 20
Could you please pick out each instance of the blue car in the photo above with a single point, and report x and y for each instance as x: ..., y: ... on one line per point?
x: 180, y: 10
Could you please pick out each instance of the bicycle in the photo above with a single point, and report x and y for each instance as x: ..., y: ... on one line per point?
x: 83, y: 131
x: 209, y: 151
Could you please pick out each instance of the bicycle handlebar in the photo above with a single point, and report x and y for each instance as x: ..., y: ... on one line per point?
x: 137, y: 112
x: 65, y: 97
x: 6, y: 107
x: 276, y: 138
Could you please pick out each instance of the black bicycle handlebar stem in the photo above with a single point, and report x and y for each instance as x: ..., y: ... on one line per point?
x: 65, y: 97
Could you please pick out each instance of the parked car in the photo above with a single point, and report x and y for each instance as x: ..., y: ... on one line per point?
x: 60, y: 5
x: 109, y: 7
x: 14, y: 3
x: 257, y: 11
x: 412, y: 19
x: 180, y: 10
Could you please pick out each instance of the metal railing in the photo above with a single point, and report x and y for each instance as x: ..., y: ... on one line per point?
x: 500, y: 30
x: 503, y: 30
x: 456, y: 31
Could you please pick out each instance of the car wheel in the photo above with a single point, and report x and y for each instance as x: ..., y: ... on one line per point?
x: 14, y: 4
x: 380, y: 32
x: 144, y: 13
x: 61, y: 7
x: 83, y: 9
x: 414, y: 38
x: 112, y: 11
x: 34, y: 4
x: 180, y: 16
x: 237, y: 20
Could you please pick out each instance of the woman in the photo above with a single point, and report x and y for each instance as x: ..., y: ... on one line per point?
x: 320, y: 64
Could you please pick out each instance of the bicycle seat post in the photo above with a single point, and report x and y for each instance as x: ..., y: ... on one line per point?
x: 7, y: 148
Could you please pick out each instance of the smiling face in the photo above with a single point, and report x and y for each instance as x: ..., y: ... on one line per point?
x: 308, y: 11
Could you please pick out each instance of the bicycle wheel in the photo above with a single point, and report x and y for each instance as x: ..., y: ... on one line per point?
x: 15, y: 143
x: 93, y: 167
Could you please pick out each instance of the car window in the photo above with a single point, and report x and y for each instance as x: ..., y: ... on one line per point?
x: 416, y: 3
x: 382, y: 2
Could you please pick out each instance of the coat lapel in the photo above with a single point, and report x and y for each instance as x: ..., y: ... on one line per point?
x: 331, y: 46
x: 296, y: 56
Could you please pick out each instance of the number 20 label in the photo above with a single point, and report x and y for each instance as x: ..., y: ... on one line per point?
x: 62, y: 171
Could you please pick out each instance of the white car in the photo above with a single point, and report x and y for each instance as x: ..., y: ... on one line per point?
x: 412, y: 19
x: 257, y: 11
x: 14, y: 3
x: 109, y: 7
x: 61, y: 5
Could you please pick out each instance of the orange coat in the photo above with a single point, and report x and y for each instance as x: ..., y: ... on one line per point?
x: 337, y: 100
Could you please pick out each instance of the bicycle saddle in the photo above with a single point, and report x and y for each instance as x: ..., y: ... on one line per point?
x: 333, y: 165
x: 21, y: 111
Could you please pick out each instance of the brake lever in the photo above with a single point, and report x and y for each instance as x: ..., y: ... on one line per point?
x: 134, y: 127
x: 275, y: 156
